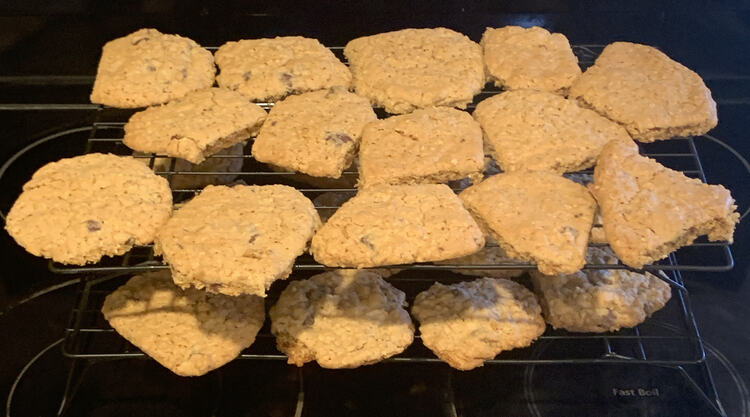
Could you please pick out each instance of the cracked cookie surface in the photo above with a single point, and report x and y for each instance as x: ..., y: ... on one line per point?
x: 651, y: 95
x: 71, y: 211
x: 432, y: 145
x: 535, y: 216
x: 649, y: 210
x: 237, y: 240
x: 416, y: 68
x: 467, y: 323
x: 147, y: 67
x: 190, y: 332
x: 195, y: 126
x: 397, y: 224
x: 270, y: 69
x: 341, y: 319
x: 315, y: 133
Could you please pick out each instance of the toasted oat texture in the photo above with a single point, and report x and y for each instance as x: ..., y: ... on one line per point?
x: 76, y: 210
x: 341, y: 319
x: 237, y: 240
x: 467, y: 323
x: 271, y: 69
x: 535, y: 216
x: 597, y: 231
x: 327, y: 204
x: 431, y: 145
x: 195, y: 126
x: 488, y: 255
x: 227, y: 160
x: 415, y: 68
x: 397, y: 224
x: 315, y: 133
x: 599, y: 300
x: 651, y: 95
x: 532, y: 58
x: 190, y: 332
x: 530, y: 130
x: 649, y: 210
x: 148, y: 67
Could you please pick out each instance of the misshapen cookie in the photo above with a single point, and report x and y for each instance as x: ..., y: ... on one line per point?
x: 599, y: 300
x: 237, y: 240
x: 271, y: 69
x: 341, y: 319
x: 431, y: 145
x: 315, y: 133
x: 190, y: 332
x: 529, y: 58
x: 397, y: 224
x: 651, y: 95
x: 416, y: 68
x: 76, y: 210
x: 148, y: 67
x: 649, y: 210
x: 530, y: 130
x: 467, y: 323
x: 195, y: 126
x: 535, y: 216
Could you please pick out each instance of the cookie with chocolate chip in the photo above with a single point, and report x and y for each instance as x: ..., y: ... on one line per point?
x: 341, y: 319
x: 315, y: 133
x: 77, y: 210
x: 148, y: 67
x: 237, y: 240
x: 271, y: 69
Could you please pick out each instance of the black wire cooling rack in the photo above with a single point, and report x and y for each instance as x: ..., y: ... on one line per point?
x: 669, y: 338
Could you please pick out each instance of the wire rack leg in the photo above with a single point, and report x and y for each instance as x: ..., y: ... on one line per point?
x: 714, y: 403
x: 72, y: 382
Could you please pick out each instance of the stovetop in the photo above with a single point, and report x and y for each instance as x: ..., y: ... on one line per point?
x: 711, y: 39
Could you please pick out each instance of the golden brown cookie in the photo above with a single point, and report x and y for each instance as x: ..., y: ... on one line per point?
x: 535, y: 216
x: 416, y: 68
x: 147, y: 67
x: 467, y: 323
x: 397, y: 224
x: 190, y: 332
x: 651, y: 95
x: 649, y: 210
x: 529, y: 58
x: 76, y: 210
x: 341, y: 319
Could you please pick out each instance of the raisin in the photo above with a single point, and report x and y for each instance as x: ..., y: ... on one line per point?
x: 338, y: 138
x: 150, y: 68
x: 93, y: 225
x: 246, y: 76
x: 252, y: 238
x: 137, y: 41
x: 286, y: 78
x: 365, y: 239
